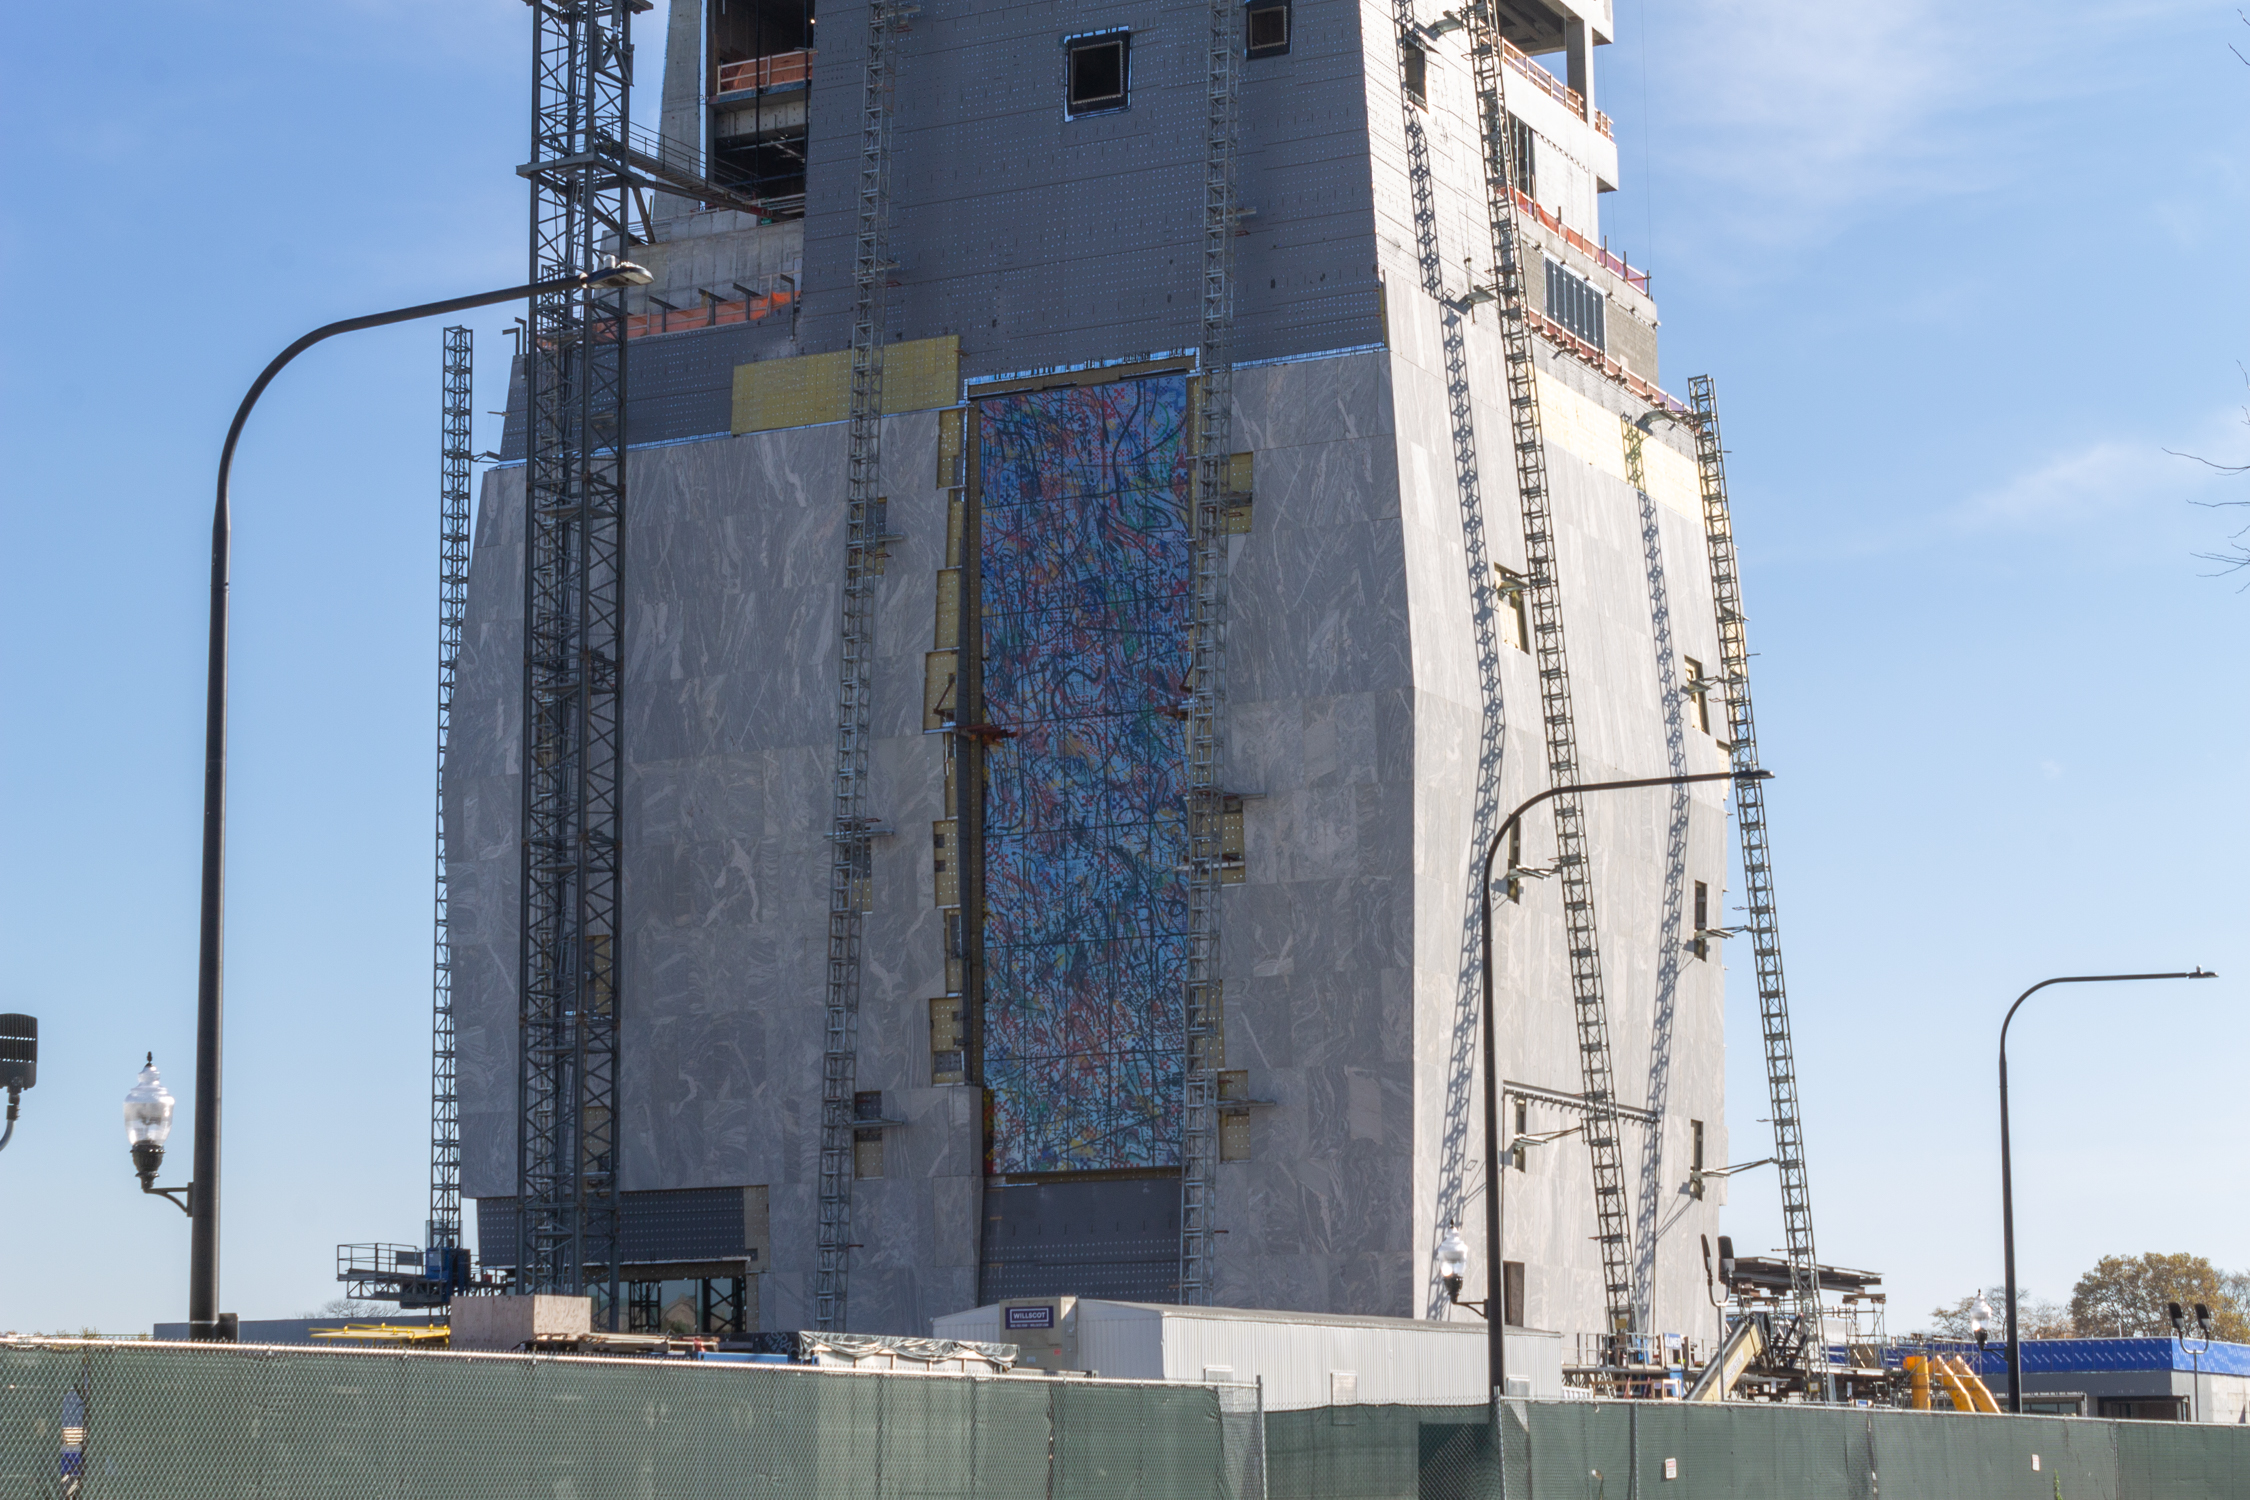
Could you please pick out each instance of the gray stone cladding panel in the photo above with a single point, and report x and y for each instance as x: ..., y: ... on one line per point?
x: 1045, y: 241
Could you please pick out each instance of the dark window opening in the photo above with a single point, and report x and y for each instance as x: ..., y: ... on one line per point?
x: 1511, y: 1297
x: 1098, y: 74
x: 1577, y: 305
x: 1266, y: 30
x: 1702, y: 920
x: 1695, y: 1145
x: 1523, y: 157
x: 1522, y: 1154
x: 760, y: 54
x: 1414, y: 65
x: 1514, y: 883
x: 690, y: 1306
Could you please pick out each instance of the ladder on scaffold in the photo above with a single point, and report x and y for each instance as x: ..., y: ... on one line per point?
x: 1542, y: 596
x: 455, y: 462
x: 1757, y: 877
x: 1207, y: 675
x: 851, y: 834
x: 574, y: 557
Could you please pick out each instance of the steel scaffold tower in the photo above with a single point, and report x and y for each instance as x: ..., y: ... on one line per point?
x: 1207, y: 641
x: 1485, y: 603
x: 1757, y: 876
x: 851, y: 834
x: 1613, y: 1228
x: 444, y: 1229
x: 574, y: 553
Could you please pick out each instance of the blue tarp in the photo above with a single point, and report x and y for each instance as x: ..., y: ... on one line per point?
x: 2064, y: 1356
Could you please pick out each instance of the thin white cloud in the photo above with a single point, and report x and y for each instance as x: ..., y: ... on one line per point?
x: 1808, y: 117
x: 2111, y: 477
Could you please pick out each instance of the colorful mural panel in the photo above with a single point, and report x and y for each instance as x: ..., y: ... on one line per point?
x: 1085, y: 551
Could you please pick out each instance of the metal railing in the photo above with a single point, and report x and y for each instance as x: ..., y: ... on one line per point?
x: 779, y: 70
x: 1548, y: 84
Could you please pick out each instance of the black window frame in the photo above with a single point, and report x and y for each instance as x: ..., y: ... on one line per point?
x: 1576, y: 305
x: 1120, y: 38
x: 1250, y: 13
x: 1414, y: 71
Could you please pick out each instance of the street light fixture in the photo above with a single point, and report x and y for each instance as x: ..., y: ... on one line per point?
x: 1697, y: 1176
x: 2007, y: 1170
x: 2203, y: 1327
x: 204, y: 1321
x: 1453, y: 1254
x: 1980, y: 1319
x: 1497, y: 1347
x: 19, y: 1064
x: 148, y: 1125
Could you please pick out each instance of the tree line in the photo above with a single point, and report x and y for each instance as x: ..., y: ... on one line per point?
x: 2123, y: 1296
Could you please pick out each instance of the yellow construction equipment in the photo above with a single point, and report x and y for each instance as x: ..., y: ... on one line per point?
x: 1738, y: 1353
x: 438, y: 1334
x: 1970, y: 1384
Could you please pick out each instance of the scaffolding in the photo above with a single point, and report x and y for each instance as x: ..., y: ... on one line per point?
x: 1541, y: 593
x: 852, y: 831
x: 454, y: 463
x: 1207, y: 674
x: 1484, y: 610
x: 574, y: 534
x: 1757, y: 877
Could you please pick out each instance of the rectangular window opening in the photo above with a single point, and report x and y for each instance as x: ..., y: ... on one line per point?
x: 1515, y: 626
x: 1265, y: 29
x: 1702, y: 920
x: 1414, y: 67
x: 1234, y: 1125
x: 1577, y: 306
x: 948, y: 1039
x: 1511, y: 1298
x: 1523, y: 157
x: 1522, y: 1154
x: 1699, y: 693
x: 1515, y: 862
x: 1695, y: 1145
x: 1098, y: 73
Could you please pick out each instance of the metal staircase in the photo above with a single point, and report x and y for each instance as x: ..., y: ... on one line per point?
x: 852, y: 831
x: 1613, y: 1230
x: 1808, y: 1341
x: 454, y: 469
x: 1207, y: 673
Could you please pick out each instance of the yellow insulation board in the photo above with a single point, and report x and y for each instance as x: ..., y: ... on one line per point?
x: 813, y: 388
x: 1579, y: 425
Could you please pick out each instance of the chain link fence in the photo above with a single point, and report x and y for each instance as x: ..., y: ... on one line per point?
x: 90, y: 1420
x: 1655, y: 1450
x: 93, y: 1419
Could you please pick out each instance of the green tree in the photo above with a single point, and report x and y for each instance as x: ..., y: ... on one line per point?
x: 2124, y: 1296
x: 2036, y: 1318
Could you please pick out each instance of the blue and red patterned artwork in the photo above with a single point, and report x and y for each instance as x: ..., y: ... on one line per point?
x: 1086, y: 558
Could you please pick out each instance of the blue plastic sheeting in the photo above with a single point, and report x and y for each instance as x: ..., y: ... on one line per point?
x: 2064, y: 1356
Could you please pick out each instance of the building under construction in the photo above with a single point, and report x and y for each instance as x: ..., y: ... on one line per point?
x: 969, y: 766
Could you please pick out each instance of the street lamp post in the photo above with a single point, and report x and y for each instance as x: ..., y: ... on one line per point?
x: 2203, y: 1327
x: 203, y: 1191
x: 1497, y: 1356
x: 19, y: 1064
x: 2007, y: 1171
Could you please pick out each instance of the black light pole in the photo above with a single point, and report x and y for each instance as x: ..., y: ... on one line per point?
x: 1495, y: 1290
x: 203, y: 1192
x: 2007, y: 1171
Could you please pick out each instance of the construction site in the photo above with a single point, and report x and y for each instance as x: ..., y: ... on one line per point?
x: 980, y: 754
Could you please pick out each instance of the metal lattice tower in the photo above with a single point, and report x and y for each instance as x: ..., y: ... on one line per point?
x: 1462, y: 1050
x: 574, y: 554
x: 1207, y: 641
x: 1613, y: 1229
x: 851, y: 833
x: 1757, y: 877
x: 453, y: 602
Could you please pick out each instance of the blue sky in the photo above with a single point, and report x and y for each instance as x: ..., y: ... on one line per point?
x: 1962, y: 275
